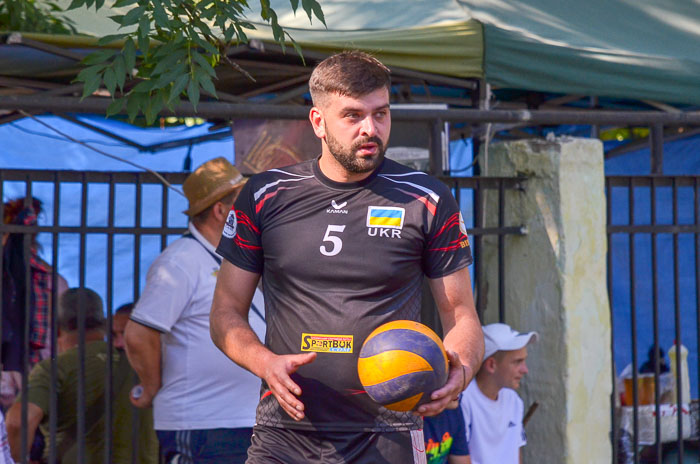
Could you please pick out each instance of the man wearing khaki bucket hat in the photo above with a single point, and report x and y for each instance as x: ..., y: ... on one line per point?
x: 204, y: 406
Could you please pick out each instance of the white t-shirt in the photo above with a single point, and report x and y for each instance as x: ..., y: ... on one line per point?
x: 201, y: 387
x: 494, y: 428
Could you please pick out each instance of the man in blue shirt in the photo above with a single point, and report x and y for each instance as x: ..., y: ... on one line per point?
x: 445, y: 438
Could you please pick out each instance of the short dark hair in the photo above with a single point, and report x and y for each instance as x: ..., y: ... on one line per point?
x: 349, y: 73
x: 126, y: 308
x: 68, y: 305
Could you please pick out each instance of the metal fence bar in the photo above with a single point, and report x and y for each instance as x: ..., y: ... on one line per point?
x: 506, y: 230
x: 228, y: 111
x: 26, y: 252
x: 91, y: 176
x: 80, y: 436
x: 677, y: 320
x: 17, y: 229
x: 633, y: 329
x: 657, y: 228
x: 109, y: 393
x: 53, y: 394
x: 501, y: 254
x: 655, y: 316
x: 615, y: 434
x: 137, y: 279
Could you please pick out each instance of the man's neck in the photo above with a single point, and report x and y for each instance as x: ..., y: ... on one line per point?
x: 71, y: 339
x: 332, y: 169
x: 488, y: 386
x: 210, y: 232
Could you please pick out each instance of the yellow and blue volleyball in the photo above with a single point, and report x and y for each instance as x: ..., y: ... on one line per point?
x: 401, y: 363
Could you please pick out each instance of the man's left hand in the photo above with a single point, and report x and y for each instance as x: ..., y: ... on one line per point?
x: 447, y: 397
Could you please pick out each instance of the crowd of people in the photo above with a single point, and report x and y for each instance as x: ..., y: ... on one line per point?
x: 221, y: 338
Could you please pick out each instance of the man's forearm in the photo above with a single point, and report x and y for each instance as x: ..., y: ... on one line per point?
x: 144, y: 353
x: 237, y: 340
x: 13, y: 422
x: 466, y: 339
x: 460, y: 322
x: 228, y: 319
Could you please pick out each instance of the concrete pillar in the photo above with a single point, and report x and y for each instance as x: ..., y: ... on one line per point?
x: 556, y: 285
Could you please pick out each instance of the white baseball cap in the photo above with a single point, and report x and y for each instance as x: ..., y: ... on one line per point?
x: 500, y: 337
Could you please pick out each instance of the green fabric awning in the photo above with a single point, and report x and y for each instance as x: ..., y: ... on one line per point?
x: 451, y: 48
x: 637, y: 49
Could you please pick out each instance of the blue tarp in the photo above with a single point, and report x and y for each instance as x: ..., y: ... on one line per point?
x: 30, y: 145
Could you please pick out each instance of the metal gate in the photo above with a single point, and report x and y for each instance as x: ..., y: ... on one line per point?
x: 653, y: 281
x: 130, y: 217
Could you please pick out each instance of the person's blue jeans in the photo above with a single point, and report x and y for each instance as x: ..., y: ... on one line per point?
x: 204, y: 446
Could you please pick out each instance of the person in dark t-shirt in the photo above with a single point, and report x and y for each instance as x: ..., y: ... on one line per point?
x: 342, y: 243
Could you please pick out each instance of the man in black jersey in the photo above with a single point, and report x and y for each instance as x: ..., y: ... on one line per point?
x: 342, y: 243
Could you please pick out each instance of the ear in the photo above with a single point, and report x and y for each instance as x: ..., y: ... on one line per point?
x: 316, y: 118
x: 221, y: 211
x: 490, y: 365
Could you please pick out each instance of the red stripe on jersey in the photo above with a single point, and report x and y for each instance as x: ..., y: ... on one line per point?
x: 245, y: 220
x: 260, y: 204
x: 424, y: 200
x: 451, y: 223
x: 244, y: 243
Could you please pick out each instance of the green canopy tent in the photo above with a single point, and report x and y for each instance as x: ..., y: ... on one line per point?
x: 615, y: 49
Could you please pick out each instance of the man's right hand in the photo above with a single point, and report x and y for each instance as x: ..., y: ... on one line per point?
x: 277, y: 376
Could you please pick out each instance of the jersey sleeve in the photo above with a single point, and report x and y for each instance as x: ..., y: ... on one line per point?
x: 459, y: 443
x: 240, y: 240
x: 168, y: 290
x: 39, y: 385
x: 447, y: 247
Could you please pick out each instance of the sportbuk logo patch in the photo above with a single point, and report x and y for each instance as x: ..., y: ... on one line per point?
x: 388, y: 217
x: 325, y: 343
x: 231, y: 225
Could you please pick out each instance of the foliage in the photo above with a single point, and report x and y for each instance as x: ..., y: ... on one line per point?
x: 33, y: 16
x: 173, y: 50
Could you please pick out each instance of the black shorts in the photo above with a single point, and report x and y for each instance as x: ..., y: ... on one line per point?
x: 271, y: 445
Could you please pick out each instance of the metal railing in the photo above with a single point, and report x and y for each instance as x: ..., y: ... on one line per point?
x: 57, y: 226
x: 653, y: 243
x: 53, y: 224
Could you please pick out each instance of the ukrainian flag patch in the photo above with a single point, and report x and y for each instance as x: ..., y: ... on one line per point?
x: 389, y: 217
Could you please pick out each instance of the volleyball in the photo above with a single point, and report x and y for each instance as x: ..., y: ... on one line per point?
x: 401, y: 363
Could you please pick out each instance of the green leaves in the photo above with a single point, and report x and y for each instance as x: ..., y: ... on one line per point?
x: 313, y: 8
x: 172, y: 49
x: 34, y: 16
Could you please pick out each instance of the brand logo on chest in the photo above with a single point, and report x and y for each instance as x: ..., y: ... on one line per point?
x: 337, y: 208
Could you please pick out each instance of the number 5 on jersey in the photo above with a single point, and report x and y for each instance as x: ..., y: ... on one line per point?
x: 336, y: 244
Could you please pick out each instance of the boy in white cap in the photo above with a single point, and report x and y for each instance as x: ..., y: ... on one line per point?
x: 493, y: 411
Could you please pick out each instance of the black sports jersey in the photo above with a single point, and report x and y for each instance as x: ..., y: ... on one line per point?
x: 337, y: 261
